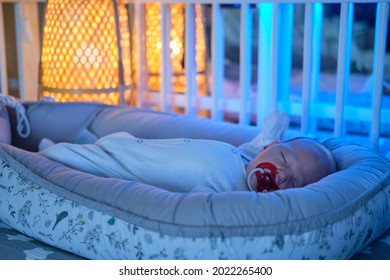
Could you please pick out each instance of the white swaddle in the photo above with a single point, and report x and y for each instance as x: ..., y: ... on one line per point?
x: 178, y: 165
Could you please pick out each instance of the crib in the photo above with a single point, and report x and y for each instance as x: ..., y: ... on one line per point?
x: 244, y: 102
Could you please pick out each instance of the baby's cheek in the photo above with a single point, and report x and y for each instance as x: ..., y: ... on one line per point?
x: 253, y: 182
x: 281, y: 182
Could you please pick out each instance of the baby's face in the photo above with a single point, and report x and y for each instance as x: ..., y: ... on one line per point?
x: 299, y: 163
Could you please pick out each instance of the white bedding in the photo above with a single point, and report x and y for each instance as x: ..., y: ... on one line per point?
x: 177, y: 165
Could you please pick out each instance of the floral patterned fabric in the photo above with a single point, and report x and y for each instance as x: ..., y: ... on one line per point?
x: 18, y: 246
x: 71, y: 226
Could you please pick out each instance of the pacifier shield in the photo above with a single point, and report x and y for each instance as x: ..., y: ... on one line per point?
x: 265, y: 177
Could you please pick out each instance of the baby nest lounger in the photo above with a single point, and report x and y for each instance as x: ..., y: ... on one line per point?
x: 109, y: 218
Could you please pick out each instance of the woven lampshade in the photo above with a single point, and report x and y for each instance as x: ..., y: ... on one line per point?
x: 177, y: 43
x: 86, y: 51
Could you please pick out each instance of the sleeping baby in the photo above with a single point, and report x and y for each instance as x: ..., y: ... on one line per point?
x: 192, y: 165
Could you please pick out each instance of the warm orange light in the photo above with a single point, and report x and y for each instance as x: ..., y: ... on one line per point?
x: 153, y: 47
x: 86, y: 51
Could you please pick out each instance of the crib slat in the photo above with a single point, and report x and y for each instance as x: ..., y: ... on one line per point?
x: 264, y: 60
x: 28, y: 49
x: 166, y: 69
x: 311, y: 62
x: 281, y: 36
x: 343, y: 66
x: 285, y: 41
x: 274, y: 57
x: 3, y: 61
x: 245, y: 62
x: 307, y: 67
x: 141, y: 54
x: 378, y: 67
x: 190, y: 53
x: 217, y: 60
x: 316, y: 44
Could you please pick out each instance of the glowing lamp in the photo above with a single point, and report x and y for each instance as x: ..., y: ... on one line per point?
x: 86, y: 51
x: 177, y: 47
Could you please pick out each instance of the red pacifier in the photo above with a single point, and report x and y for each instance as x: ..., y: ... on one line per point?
x: 265, y: 173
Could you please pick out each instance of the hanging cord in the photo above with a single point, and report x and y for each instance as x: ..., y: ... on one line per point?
x: 22, y: 125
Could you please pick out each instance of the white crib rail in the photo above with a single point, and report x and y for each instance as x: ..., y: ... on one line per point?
x: 141, y: 56
x: 190, y: 40
x: 275, y: 27
x: 27, y: 48
x: 343, y: 67
x: 379, y: 57
x: 3, y: 65
x: 246, y: 59
x: 273, y: 75
x: 217, y: 60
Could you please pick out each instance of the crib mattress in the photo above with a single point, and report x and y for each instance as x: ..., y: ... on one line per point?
x: 107, y: 218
